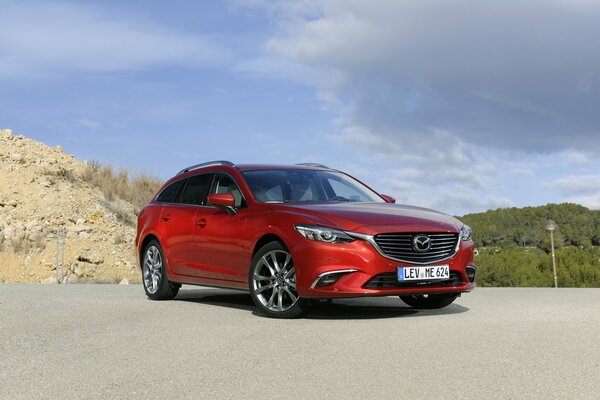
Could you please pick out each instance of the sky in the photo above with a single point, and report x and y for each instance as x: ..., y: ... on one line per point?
x: 461, y: 106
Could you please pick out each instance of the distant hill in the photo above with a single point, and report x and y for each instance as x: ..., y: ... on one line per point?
x: 514, y: 246
x: 577, y: 226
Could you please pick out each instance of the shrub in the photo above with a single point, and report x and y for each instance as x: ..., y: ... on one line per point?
x: 113, y: 184
x: 122, y: 215
x: 63, y: 173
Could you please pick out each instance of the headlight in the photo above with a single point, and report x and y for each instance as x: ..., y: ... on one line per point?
x: 323, y: 234
x: 465, y: 232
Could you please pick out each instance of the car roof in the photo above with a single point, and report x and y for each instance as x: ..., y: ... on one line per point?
x: 212, y: 166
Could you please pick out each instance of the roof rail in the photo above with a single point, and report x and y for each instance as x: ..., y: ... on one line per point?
x: 309, y: 164
x: 206, y: 164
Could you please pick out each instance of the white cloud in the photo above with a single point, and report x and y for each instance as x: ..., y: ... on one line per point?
x: 576, y: 158
x: 88, y: 123
x: 455, y: 200
x: 580, y: 189
x: 435, y: 147
x: 577, y: 184
x: 456, y: 97
x: 469, y: 200
x: 50, y: 37
x: 591, y: 201
x: 524, y: 170
x: 416, y: 159
x: 452, y: 174
x: 503, y: 74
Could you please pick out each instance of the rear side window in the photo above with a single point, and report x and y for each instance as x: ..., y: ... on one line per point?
x: 171, y: 193
x: 196, y: 190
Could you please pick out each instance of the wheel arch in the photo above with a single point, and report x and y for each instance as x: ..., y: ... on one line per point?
x: 265, y: 239
x: 147, y: 239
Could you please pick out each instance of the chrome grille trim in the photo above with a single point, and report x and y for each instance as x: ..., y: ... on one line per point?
x: 399, y: 246
x: 445, y: 249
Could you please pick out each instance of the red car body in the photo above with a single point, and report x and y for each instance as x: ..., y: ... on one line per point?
x: 210, y: 246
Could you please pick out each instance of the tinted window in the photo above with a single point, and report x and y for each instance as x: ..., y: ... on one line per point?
x: 225, y: 184
x: 299, y: 185
x: 171, y: 193
x: 196, y: 189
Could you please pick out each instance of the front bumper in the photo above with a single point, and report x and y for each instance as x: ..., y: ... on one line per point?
x: 369, y: 273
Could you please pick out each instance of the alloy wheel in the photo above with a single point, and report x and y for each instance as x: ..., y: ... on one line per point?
x: 152, y: 269
x: 274, y: 281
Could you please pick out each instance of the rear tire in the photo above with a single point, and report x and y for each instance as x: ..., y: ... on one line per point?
x: 154, y: 274
x: 272, y: 283
x: 429, y: 301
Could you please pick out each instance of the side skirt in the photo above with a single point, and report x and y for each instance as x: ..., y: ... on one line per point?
x: 192, y: 280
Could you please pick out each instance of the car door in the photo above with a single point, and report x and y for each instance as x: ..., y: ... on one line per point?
x: 223, y: 247
x: 179, y: 219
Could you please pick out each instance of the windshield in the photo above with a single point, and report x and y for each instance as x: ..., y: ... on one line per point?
x: 299, y: 185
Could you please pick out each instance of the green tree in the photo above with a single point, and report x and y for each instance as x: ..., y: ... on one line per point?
x: 514, y: 246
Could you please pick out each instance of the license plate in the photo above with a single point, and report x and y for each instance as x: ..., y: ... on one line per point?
x: 426, y: 273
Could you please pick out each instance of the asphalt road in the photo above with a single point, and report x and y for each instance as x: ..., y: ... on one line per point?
x: 108, y: 341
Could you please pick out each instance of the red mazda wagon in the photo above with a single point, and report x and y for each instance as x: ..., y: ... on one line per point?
x: 289, y: 234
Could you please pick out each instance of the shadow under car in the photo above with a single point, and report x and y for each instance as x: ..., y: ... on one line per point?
x: 336, y: 309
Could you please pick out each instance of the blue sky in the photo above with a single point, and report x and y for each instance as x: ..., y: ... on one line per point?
x: 460, y: 106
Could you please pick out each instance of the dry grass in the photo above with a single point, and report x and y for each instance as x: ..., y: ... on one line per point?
x: 63, y: 173
x: 22, y: 244
x: 90, y: 171
x: 135, y: 189
x: 19, y: 243
x: 122, y: 215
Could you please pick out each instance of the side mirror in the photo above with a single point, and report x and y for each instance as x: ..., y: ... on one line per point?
x: 388, y: 199
x: 225, y: 200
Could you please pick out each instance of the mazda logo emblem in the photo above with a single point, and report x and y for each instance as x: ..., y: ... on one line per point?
x: 421, y: 243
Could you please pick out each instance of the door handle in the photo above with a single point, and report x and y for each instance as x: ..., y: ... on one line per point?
x: 166, y: 216
x: 201, y: 222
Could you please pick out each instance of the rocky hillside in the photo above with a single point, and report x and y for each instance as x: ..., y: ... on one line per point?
x: 44, y: 196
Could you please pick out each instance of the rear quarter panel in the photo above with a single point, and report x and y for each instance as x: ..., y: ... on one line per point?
x: 148, y: 223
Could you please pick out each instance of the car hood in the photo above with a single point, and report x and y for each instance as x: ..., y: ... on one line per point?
x: 373, y: 218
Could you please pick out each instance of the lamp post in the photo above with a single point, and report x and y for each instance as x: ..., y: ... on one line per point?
x: 551, y: 226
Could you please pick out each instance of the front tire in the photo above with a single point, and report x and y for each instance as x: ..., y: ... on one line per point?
x: 272, y: 282
x: 154, y: 274
x: 429, y: 301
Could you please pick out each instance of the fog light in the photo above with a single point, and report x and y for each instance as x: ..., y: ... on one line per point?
x: 329, y: 278
x: 471, y: 274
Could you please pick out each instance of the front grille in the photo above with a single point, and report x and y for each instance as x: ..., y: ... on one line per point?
x: 389, y: 280
x: 399, y: 246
